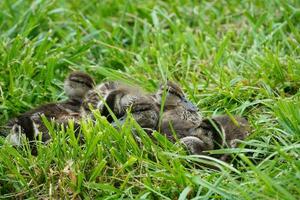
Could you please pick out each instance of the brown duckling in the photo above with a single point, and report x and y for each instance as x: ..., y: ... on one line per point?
x: 181, y: 120
x: 197, y: 146
x: 118, y: 97
x: 179, y: 114
x: 173, y: 98
x: 144, y: 111
x: 219, y: 132
x: 233, y: 129
x: 77, y: 84
x: 30, y: 123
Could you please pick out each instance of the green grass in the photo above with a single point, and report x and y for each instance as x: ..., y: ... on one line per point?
x: 238, y: 57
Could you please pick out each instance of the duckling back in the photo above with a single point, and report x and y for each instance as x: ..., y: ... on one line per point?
x: 30, y: 123
x: 117, y: 96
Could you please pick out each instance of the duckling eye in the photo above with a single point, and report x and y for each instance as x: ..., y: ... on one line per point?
x: 170, y: 92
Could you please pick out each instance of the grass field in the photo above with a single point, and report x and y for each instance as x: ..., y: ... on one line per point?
x: 237, y: 57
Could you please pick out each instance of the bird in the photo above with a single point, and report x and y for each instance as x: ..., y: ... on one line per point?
x: 228, y: 130
x: 179, y: 115
x: 173, y: 96
x: 197, y: 146
x: 111, y: 95
x: 217, y: 132
x: 144, y: 111
x: 77, y: 84
x: 182, y: 120
x: 117, y: 98
x: 30, y: 124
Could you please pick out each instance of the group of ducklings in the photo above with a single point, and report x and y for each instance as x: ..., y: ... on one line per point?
x: 167, y: 111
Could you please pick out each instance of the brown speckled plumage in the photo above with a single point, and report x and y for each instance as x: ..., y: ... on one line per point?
x: 179, y: 115
x: 218, y: 132
x: 118, y: 97
x: 31, y: 124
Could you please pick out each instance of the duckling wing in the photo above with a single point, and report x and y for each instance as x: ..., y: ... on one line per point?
x: 51, y: 110
x: 195, y: 145
x: 93, y: 98
x: 176, y: 121
x: 16, y: 127
x: 145, y: 113
x: 103, y: 92
x: 20, y: 126
x: 234, y: 129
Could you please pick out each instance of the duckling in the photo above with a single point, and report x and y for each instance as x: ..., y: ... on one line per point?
x: 145, y: 112
x: 30, y: 123
x: 232, y: 129
x: 118, y: 97
x: 77, y: 85
x: 219, y: 132
x: 179, y: 114
x: 181, y: 119
x: 121, y: 99
x: 174, y: 97
x: 196, y: 146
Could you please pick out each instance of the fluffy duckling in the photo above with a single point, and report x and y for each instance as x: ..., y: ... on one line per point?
x: 174, y: 97
x: 77, y: 84
x: 118, y: 97
x: 30, y: 123
x: 145, y: 112
x: 179, y: 114
x: 181, y: 117
x: 219, y: 132
x: 232, y: 129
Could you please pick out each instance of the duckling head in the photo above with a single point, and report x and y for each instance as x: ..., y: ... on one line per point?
x: 173, y: 96
x: 145, y: 113
x: 77, y: 84
x: 118, y: 101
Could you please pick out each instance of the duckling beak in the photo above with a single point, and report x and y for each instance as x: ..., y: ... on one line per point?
x: 189, y: 105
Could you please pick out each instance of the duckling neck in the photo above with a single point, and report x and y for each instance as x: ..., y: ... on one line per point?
x: 75, y: 101
x: 73, y: 104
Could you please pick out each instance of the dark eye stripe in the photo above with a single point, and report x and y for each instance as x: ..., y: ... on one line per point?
x: 82, y: 82
x: 176, y: 94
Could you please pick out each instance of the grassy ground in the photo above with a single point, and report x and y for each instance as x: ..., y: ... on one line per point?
x: 230, y: 57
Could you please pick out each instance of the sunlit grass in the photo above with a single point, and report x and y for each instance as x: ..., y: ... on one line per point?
x: 237, y: 57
